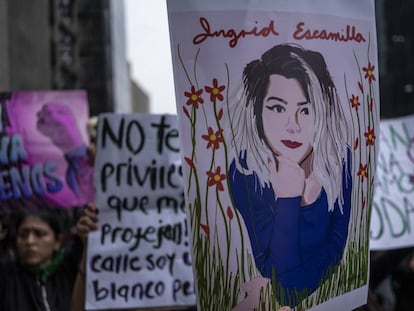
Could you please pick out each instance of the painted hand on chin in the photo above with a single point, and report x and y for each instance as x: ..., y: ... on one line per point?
x: 286, y: 176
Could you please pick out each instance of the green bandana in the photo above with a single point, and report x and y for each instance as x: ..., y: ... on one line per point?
x: 43, y: 273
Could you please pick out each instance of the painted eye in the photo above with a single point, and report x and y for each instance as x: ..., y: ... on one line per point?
x: 304, y: 111
x: 276, y: 108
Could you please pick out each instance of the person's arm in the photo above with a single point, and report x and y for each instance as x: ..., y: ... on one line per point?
x: 273, y: 225
x: 78, y: 294
x: 300, y: 273
x: 87, y: 223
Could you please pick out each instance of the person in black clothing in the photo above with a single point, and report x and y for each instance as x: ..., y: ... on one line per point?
x: 42, y: 276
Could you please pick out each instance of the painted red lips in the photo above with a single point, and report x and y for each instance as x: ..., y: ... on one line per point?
x: 291, y: 144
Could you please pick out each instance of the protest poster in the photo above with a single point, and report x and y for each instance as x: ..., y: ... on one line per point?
x: 140, y: 255
x: 43, y: 151
x: 278, y: 107
x: 392, y: 219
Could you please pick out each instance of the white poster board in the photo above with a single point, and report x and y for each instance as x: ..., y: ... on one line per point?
x: 392, y: 220
x: 139, y: 256
x: 278, y: 106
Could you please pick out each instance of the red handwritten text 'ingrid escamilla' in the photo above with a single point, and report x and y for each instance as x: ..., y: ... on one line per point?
x: 350, y: 33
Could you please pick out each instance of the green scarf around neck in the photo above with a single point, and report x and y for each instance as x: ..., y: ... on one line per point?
x: 43, y: 273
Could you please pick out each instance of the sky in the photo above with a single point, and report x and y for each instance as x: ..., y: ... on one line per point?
x: 148, y: 51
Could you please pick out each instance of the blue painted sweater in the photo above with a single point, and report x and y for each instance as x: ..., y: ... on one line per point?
x: 295, y: 244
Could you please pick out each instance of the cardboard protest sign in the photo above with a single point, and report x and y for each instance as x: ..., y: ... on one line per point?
x: 392, y: 219
x: 278, y: 107
x: 43, y: 148
x: 140, y: 256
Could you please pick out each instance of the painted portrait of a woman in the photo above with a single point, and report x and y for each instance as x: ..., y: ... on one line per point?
x: 290, y: 177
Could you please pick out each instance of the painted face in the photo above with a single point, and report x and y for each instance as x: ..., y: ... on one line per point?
x: 287, y: 120
x: 36, y: 242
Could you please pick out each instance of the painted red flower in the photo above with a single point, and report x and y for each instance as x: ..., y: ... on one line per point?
x: 206, y: 229
x: 194, y: 97
x: 214, y: 138
x: 369, y: 72
x: 354, y: 102
x: 215, y: 91
x: 370, y: 136
x: 216, y: 178
x: 371, y: 104
x: 230, y: 213
x: 362, y: 172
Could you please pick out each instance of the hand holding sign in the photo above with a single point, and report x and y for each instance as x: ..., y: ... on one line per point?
x: 87, y: 222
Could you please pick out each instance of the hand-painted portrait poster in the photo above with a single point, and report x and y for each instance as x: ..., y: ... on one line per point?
x: 140, y: 255
x: 278, y: 109
x: 392, y: 219
x: 43, y: 151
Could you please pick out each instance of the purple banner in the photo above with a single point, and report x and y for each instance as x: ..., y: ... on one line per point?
x: 43, y: 149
